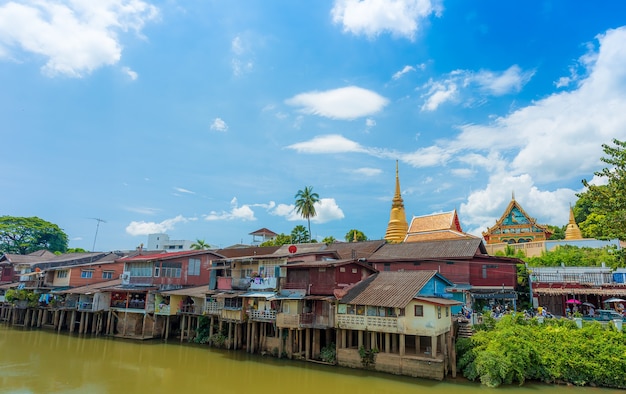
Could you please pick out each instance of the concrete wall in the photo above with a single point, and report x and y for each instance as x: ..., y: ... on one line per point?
x: 393, y: 363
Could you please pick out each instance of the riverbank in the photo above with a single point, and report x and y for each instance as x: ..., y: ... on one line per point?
x: 42, y: 361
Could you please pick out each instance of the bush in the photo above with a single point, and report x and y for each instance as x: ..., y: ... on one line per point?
x: 328, y: 354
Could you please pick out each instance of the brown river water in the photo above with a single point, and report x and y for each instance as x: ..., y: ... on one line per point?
x: 36, y: 361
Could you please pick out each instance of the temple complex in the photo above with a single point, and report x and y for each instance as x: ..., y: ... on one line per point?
x: 398, y: 226
x: 515, y: 227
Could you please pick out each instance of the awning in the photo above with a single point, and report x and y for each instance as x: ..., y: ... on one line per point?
x: 219, y: 267
x: 567, y: 291
x: 494, y: 296
x: 227, y: 295
x: 260, y: 294
x: 439, y: 301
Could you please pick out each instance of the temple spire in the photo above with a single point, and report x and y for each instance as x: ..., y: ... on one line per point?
x: 398, y: 226
x: 572, y: 231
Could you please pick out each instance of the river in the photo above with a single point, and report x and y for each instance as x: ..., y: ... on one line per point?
x: 36, y: 361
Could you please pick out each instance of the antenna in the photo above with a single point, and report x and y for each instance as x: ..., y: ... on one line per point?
x: 93, y: 248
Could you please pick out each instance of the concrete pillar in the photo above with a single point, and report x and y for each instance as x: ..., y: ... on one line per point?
x: 387, y: 342
x: 402, y: 345
x: 307, y: 348
x: 360, y: 339
x: 433, y: 342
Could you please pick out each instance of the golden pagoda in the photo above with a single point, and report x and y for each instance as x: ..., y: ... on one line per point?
x: 398, y: 226
x: 572, y: 231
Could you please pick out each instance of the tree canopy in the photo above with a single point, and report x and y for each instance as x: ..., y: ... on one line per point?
x: 605, y: 204
x: 24, y: 235
x: 200, y: 244
x: 305, y: 204
x: 360, y: 236
x: 573, y: 256
x: 300, y: 235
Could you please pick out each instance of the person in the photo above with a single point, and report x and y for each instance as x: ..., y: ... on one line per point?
x: 568, y: 311
x: 592, y: 311
x: 619, y: 308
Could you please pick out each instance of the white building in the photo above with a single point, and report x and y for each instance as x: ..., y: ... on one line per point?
x: 163, y: 242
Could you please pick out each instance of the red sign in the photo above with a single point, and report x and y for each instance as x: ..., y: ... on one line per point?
x: 293, y: 249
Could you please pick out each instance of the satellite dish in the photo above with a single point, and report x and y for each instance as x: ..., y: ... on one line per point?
x: 292, y: 249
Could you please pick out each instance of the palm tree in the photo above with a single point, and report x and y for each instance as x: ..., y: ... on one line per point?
x: 305, y: 204
x: 200, y: 245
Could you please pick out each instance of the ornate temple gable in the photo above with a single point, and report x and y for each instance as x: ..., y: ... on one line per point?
x: 516, y: 226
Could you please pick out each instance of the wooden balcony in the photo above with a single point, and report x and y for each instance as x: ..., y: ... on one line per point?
x: 262, y: 316
x: 213, y: 308
x: 368, y: 323
x: 303, y: 320
x: 191, y: 309
x: 85, y: 306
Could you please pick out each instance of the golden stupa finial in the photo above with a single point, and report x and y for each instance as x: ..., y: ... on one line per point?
x: 398, y: 226
x: 572, y: 231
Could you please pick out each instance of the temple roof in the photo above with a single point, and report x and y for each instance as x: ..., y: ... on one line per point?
x: 444, y: 225
x: 515, y: 215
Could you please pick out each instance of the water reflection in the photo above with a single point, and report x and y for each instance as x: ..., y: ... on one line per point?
x: 47, y: 362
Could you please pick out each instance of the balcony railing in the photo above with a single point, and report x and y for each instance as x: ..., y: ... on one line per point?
x: 131, y: 305
x: 192, y: 309
x: 257, y: 315
x: 371, y: 323
x: 303, y: 320
x: 213, y: 308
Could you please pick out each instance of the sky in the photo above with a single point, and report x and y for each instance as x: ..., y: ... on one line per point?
x: 202, y: 119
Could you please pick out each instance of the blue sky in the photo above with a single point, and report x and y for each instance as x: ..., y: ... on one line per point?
x: 203, y: 119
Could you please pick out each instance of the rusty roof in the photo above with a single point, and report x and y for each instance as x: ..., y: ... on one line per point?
x: 576, y: 291
x: 388, y: 289
x: 463, y: 248
x: 328, y: 263
x: 93, y: 288
x: 356, y: 250
x: 196, y: 291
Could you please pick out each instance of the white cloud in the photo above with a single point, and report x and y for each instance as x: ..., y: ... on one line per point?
x: 130, y: 73
x: 244, y: 213
x: 145, y: 228
x: 405, y: 70
x: 219, y: 125
x: 181, y: 190
x: 462, y: 86
x: 368, y: 171
x: 75, y: 37
x: 463, y: 172
x: 427, y: 157
x: 327, y: 144
x: 326, y: 210
x: 242, y: 62
x: 143, y: 210
x: 369, y: 123
x: 372, y: 17
x: 346, y: 103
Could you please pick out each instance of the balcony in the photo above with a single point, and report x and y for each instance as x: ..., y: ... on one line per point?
x: 85, y: 306
x: 162, y: 309
x: 264, y: 316
x: 213, y: 308
x: 303, y: 320
x: 262, y: 283
x: 368, y: 323
x: 191, y: 309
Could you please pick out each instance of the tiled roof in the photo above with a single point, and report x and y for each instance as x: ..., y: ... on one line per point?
x: 357, y: 250
x: 327, y: 263
x: 232, y: 253
x: 434, y: 235
x: 436, y: 221
x: 463, y: 248
x: 264, y: 232
x: 388, y: 289
x: 168, y: 255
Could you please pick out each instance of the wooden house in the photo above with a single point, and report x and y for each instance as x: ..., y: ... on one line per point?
x: 67, y: 276
x: 168, y: 271
x: 396, y: 322
x: 464, y: 262
x: 306, y: 302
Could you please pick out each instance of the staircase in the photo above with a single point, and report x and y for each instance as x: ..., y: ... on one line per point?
x: 464, y: 329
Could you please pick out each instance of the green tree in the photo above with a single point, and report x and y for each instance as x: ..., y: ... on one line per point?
x: 609, y: 201
x: 573, y: 256
x: 200, y: 244
x: 23, y: 235
x: 329, y: 240
x: 299, y: 235
x: 360, y: 236
x: 279, y: 240
x: 557, y: 232
x: 305, y: 204
x: 76, y: 250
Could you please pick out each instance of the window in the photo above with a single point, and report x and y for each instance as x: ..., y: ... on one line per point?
x: 387, y: 267
x: 486, y: 267
x: 157, y: 271
x: 342, y: 269
x: 401, y: 312
x: 439, y: 312
x: 142, y: 269
x: 61, y: 274
x: 194, y: 267
x: 322, y: 269
x: 107, y: 275
x: 86, y: 274
x: 171, y: 270
x: 419, y: 310
x: 233, y: 303
x: 354, y: 270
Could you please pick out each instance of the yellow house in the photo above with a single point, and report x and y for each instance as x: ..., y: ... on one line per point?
x: 400, y: 322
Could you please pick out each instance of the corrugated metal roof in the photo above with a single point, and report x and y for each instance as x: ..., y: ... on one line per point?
x: 388, y: 289
x: 196, y: 291
x: 572, y: 291
x: 439, y: 301
x: 464, y: 248
x: 93, y: 288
